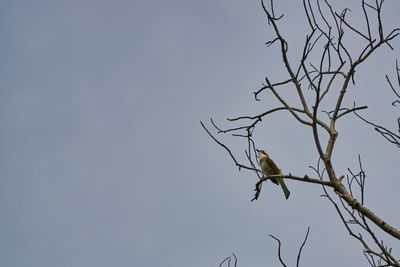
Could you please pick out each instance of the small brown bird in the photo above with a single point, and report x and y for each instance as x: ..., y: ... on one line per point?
x: 269, y: 167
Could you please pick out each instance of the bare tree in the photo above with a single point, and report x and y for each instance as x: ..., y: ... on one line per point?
x: 326, y: 68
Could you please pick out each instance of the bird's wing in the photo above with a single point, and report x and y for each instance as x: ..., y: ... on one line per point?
x: 274, y: 168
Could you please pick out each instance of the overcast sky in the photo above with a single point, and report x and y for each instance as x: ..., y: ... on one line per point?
x: 103, y: 161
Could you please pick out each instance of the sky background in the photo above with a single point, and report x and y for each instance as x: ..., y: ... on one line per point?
x: 103, y: 161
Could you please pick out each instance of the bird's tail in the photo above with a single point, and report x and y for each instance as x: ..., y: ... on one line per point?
x: 285, y: 189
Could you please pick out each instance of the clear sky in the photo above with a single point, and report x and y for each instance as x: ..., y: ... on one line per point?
x: 103, y: 161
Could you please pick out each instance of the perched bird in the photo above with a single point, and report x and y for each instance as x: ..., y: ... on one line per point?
x: 269, y: 167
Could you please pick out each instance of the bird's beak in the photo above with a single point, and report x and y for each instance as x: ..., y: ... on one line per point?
x: 258, y: 150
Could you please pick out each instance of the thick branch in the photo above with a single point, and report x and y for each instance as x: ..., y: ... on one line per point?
x: 352, y: 202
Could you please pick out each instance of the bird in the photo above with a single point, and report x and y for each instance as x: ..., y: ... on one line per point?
x: 269, y: 167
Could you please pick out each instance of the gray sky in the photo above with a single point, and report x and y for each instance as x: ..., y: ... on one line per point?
x: 103, y: 161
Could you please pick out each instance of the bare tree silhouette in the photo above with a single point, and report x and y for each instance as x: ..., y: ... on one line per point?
x: 326, y: 68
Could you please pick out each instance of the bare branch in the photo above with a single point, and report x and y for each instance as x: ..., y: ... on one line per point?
x: 342, y: 19
x: 279, y: 250
x: 287, y: 105
x: 264, y: 114
x: 386, y: 133
x: 350, y: 110
x: 284, y: 48
x: 228, y: 150
x: 305, y: 179
x: 229, y: 260
x: 301, y: 247
x: 268, y: 87
x: 299, y: 252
